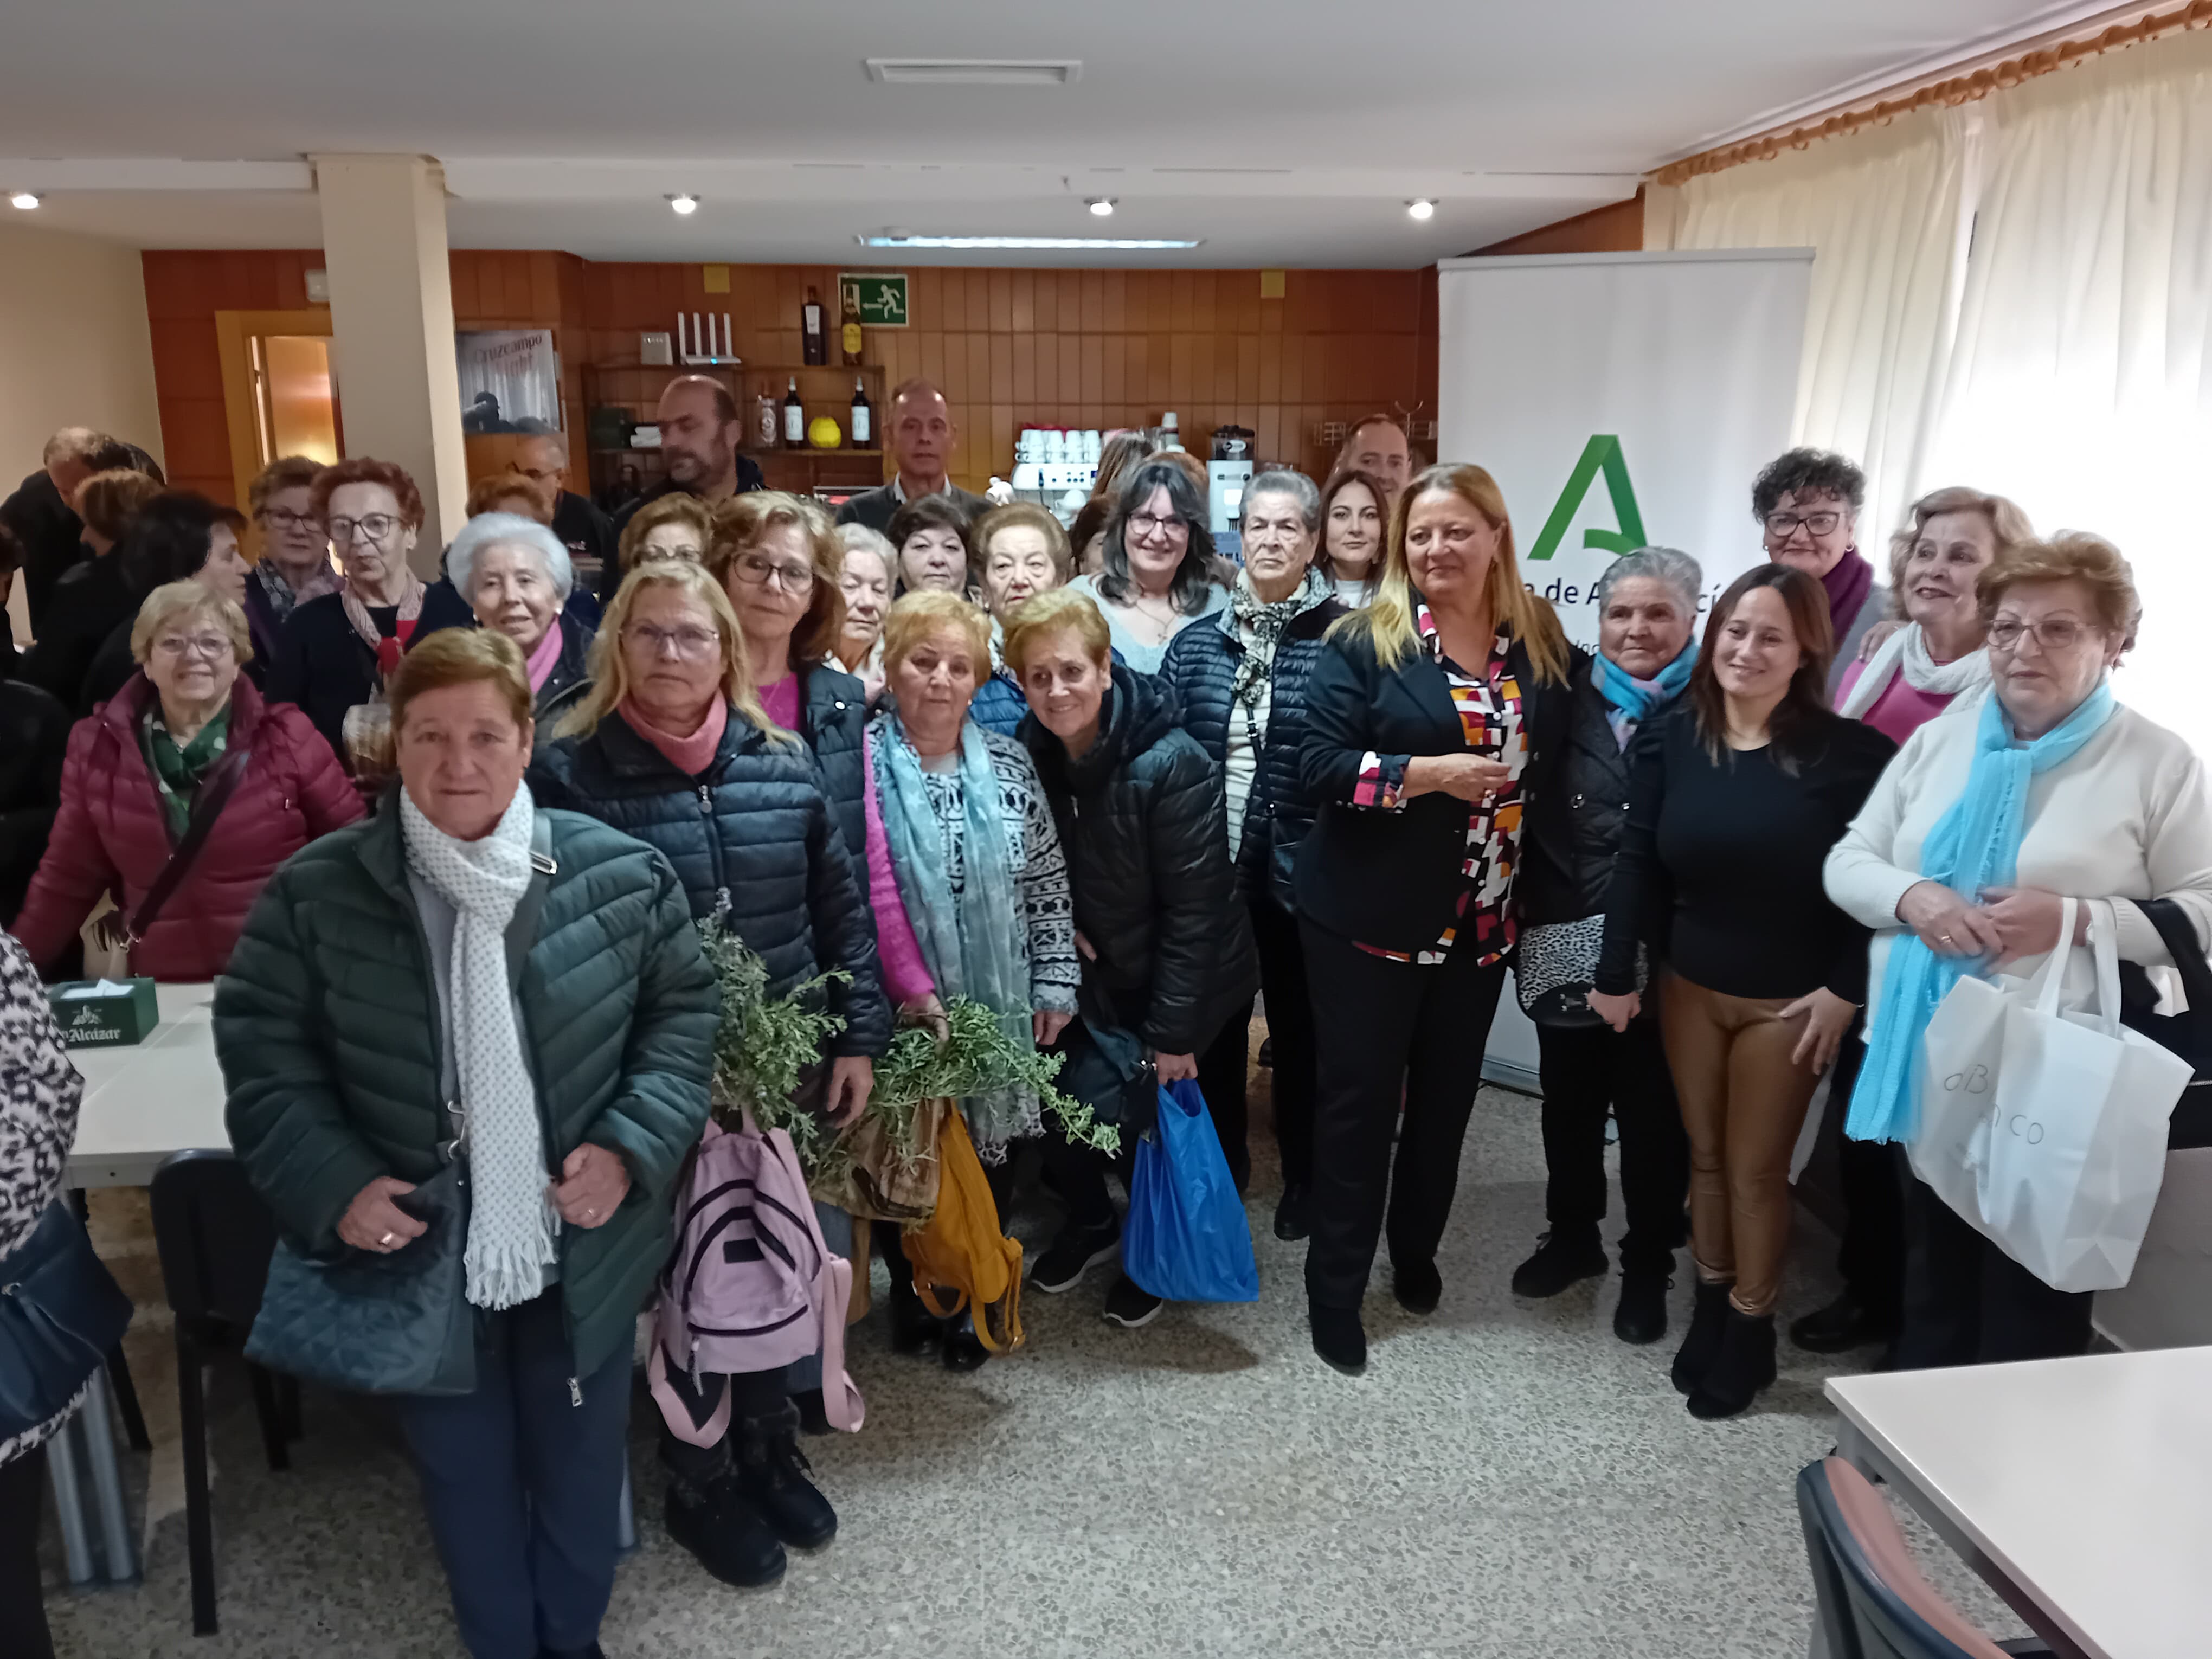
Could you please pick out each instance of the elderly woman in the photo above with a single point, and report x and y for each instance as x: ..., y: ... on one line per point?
x: 1807, y: 502
x: 1157, y: 575
x: 512, y: 493
x: 1734, y: 798
x: 1907, y: 675
x: 1139, y: 808
x: 176, y: 536
x: 671, y: 745
x: 295, y: 565
x: 1021, y: 551
x: 514, y: 576
x: 1647, y: 605
x: 1355, y: 520
x: 977, y: 867
x: 672, y: 526
x: 1418, y: 754
x: 2053, y: 787
x: 930, y: 538
x: 1243, y: 687
x: 337, y: 652
x: 466, y: 976
x: 186, y: 742
x: 90, y: 599
x: 866, y: 585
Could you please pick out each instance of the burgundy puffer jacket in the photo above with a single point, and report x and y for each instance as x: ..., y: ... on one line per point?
x: 111, y: 832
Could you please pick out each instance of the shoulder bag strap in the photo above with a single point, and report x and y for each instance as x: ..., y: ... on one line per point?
x: 206, y: 805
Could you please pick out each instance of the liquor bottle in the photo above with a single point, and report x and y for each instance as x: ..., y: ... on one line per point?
x: 850, y: 333
x: 765, y: 417
x: 817, y: 335
x: 794, y: 418
x: 864, y: 416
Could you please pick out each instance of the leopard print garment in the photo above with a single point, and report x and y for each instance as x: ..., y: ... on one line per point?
x: 38, y: 1094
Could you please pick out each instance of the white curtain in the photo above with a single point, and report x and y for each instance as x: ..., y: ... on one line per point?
x: 1887, y: 212
x: 2079, y: 382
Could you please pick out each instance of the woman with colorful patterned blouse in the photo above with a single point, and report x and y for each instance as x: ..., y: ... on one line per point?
x: 1422, y: 740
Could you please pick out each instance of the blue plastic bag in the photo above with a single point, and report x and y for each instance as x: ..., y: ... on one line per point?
x: 1186, y: 1238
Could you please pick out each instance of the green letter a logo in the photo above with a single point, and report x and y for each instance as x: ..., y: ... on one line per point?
x: 1601, y: 453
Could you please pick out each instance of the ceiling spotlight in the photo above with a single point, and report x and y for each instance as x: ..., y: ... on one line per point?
x: 1102, y: 206
x: 1421, y: 208
x: 24, y: 199
x: 685, y: 204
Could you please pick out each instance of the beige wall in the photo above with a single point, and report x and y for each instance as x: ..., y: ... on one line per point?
x: 75, y: 348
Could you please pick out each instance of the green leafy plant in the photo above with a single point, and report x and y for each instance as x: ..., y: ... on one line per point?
x: 763, y: 1044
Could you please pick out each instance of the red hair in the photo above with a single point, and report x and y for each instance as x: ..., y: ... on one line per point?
x: 362, y: 468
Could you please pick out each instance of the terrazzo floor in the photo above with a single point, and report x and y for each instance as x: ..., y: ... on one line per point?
x: 1507, y: 1479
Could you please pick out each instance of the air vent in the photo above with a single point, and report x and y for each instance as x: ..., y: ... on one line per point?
x: 975, y: 71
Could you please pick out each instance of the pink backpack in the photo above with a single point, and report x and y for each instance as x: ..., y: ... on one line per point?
x: 750, y: 1287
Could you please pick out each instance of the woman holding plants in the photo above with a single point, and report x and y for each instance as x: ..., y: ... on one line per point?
x: 672, y: 745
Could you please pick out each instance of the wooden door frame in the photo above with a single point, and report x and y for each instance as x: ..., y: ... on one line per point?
x: 232, y: 329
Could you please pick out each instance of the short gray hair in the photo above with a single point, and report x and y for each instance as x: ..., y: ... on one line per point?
x: 1664, y: 565
x: 1299, y: 487
x: 489, y: 529
x: 858, y: 539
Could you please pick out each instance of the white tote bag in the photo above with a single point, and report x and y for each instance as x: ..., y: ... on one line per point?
x: 2068, y: 1161
x: 1960, y: 1054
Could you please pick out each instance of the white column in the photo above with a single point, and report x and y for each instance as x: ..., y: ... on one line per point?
x: 391, y: 317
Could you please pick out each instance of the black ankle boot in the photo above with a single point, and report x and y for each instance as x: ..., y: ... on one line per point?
x: 712, y: 1520
x: 1564, y: 1256
x: 772, y: 1473
x: 1339, y: 1337
x: 1641, y: 1316
x: 1708, y: 1320
x: 913, y: 1326
x: 1744, y: 1365
x: 964, y: 1349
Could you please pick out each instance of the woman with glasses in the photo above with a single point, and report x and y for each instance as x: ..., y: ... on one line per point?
x: 1807, y: 503
x: 672, y: 526
x: 337, y: 652
x: 1158, y: 577
x: 186, y: 736
x: 1987, y: 817
x: 295, y: 565
x: 671, y: 745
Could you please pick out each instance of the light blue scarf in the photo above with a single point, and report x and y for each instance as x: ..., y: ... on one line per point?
x: 971, y: 941
x: 1633, y: 700
x: 1974, y: 845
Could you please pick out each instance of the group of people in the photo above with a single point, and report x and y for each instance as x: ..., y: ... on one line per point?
x: 1115, y: 789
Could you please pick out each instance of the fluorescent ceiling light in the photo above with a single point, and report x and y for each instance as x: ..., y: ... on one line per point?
x: 975, y: 71
x: 1120, y: 242
x: 24, y: 199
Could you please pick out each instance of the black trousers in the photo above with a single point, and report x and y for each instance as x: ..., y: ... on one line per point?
x: 1871, y: 1176
x: 1225, y: 1078
x: 1386, y: 1030
x: 1290, y: 1027
x: 23, y: 1632
x: 1587, y: 1071
x: 1966, y: 1302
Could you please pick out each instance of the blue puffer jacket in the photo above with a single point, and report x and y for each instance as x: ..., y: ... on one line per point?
x: 999, y: 705
x: 752, y: 837
x: 1201, y: 666
x: 833, y: 715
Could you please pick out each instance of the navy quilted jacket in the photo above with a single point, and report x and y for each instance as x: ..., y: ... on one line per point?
x: 1201, y: 666
x: 834, y: 712
x: 329, y: 1034
x: 752, y: 837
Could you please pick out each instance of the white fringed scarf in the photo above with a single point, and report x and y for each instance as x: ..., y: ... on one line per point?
x: 1905, y: 652
x: 511, y: 1219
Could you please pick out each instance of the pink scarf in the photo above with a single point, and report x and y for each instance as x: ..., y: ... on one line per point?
x: 547, y: 654
x: 690, y: 756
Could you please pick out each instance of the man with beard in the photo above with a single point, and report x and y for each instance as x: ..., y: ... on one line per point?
x: 700, y: 433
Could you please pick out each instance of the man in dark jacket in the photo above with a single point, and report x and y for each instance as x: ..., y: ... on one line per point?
x: 586, y: 532
x: 922, y: 437
x: 38, y: 514
x: 700, y: 433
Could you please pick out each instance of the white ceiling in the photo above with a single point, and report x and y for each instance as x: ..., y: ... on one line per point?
x: 1287, y: 133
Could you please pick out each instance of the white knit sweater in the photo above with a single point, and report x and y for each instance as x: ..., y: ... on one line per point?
x: 2127, y: 816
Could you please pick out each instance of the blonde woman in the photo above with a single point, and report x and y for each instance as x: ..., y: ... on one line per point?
x: 1420, y: 749
x: 671, y: 745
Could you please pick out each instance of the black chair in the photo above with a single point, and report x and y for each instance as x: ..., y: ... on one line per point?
x: 215, y: 1237
x: 1872, y: 1600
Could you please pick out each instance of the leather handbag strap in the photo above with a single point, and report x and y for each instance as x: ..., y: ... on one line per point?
x: 206, y: 805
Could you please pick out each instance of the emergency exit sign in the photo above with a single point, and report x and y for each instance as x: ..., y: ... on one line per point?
x: 880, y: 295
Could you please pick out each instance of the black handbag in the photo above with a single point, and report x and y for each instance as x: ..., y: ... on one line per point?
x: 1105, y: 1066
x: 2188, y: 1034
x: 61, y: 1313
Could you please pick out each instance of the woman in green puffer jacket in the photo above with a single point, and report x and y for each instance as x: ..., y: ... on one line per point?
x: 465, y: 966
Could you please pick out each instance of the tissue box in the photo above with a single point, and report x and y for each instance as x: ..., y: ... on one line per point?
x: 103, y: 1021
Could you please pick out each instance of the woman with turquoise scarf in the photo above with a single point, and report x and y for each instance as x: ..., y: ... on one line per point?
x: 2048, y: 788
x: 978, y: 871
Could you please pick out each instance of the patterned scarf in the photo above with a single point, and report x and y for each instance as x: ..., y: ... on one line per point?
x: 1261, y: 626
x: 387, y: 650
x: 178, y: 771
x: 283, y: 597
x: 511, y: 1219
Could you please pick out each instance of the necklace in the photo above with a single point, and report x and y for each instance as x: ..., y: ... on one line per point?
x: 1158, y: 613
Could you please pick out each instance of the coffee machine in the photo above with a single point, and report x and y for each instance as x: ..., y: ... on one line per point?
x: 1226, y: 476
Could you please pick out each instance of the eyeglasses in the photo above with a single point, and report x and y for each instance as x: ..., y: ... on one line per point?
x: 667, y: 555
x: 373, y: 529
x: 754, y: 571
x: 278, y: 517
x: 2058, y: 634
x: 1783, y: 526
x: 212, y: 646
x: 1144, y: 525
x: 691, y: 644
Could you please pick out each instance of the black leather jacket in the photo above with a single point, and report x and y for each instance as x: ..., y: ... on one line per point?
x: 1573, y: 829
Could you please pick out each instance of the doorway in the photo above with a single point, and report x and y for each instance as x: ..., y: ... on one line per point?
x: 280, y: 392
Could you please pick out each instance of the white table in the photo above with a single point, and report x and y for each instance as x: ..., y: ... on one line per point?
x: 146, y: 1100
x: 2080, y: 1489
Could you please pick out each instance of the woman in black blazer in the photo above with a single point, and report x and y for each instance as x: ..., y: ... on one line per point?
x: 1422, y: 745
